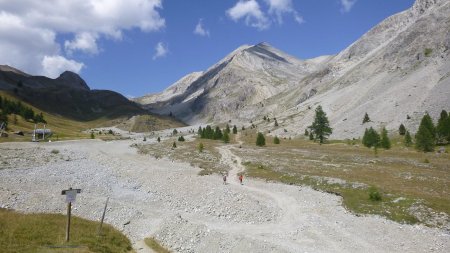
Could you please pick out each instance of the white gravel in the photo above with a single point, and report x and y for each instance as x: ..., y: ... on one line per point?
x: 191, y: 213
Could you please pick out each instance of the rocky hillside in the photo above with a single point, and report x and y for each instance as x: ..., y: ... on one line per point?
x: 396, y: 72
x: 68, y: 96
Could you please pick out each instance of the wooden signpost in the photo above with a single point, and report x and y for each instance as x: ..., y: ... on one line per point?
x: 71, y: 195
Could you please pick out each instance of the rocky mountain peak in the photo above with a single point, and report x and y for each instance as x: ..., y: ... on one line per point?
x: 73, y: 80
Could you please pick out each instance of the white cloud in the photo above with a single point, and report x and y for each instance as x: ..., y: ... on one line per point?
x: 54, y: 65
x: 84, y: 41
x: 28, y: 28
x: 254, y: 16
x: 251, y: 12
x: 200, y: 30
x: 161, y: 50
x: 347, y: 5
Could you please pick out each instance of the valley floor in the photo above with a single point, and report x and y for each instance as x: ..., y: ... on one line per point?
x: 169, y: 201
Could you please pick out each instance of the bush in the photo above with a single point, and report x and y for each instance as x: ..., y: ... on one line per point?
x: 260, y: 140
x: 181, y: 138
x: 374, y: 194
x: 92, y: 135
x: 159, y: 139
x: 427, y: 52
x: 55, y: 151
x: 175, y: 132
x: 200, y: 147
x: 226, y: 137
x: 174, y: 145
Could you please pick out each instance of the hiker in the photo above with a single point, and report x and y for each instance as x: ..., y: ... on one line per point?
x: 240, y: 178
x: 224, y: 178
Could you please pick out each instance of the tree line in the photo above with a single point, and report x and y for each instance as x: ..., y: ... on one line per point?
x: 9, y: 107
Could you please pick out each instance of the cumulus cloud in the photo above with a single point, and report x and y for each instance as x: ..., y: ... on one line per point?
x: 161, y: 50
x: 347, y: 5
x: 250, y: 11
x: 200, y: 30
x: 28, y: 29
x: 279, y: 8
x: 55, y: 65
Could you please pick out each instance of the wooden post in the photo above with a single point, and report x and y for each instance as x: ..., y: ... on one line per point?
x: 103, y: 217
x: 69, y: 211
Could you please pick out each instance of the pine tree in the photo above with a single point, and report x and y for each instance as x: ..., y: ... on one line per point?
x: 181, y: 138
x: 159, y: 139
x: 234, y: 129
x: 321, y: 126
x: 371, y: 138
x: 217, y: 134
x: 385, y: 142
x: 408, y: 139
x: 311, y: 136
x: 276, y: 140
x: 174, y: 145
x: 226, y: 137
x: 227, y: 129
x: 426, y: 135
x: 402, y: 129
x: 306, y: 132
x: 260, y: 140
x: 366, y: 118
x: 92, y: 135
x: 442, y: 128
x: 276, y: 123
x: 200, y: 131
x: 175, y: 132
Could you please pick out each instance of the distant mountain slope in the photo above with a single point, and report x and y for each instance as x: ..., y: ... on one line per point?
x: 68, y: 96
x: 396, y: 72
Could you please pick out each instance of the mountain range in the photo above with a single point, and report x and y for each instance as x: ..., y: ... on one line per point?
x: 396, y: 72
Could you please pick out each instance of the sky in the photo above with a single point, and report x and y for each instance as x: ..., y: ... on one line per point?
x: 137, y: 47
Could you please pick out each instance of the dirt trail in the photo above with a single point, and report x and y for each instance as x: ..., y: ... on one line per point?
x: 190, y: 213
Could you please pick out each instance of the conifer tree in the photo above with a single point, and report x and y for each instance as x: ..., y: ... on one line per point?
x: 443, y: 127
x: 276, y: 123
x: 321, y: 126
x: 371, y: 138
x: 181, y: 138
x: 306, y: 132
x: 227, y: 129
x: 276, y: 140
x: 217, y: 134
x: 159, y: 139
x: 402, y: 129
x: 260, y: 140
x: 385, y: 142
x: 234, y: 129
x: 200, y: 131
x: 226, y: 137
x: 426, y: 135
x: 311, y: 136
x: 408, y: 139
x: 174, y: 145
x: 366, y: 118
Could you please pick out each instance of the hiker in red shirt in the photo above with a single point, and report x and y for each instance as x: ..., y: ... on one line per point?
x: 240, y: 178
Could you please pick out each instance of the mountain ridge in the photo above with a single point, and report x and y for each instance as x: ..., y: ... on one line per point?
x: 371, y: 75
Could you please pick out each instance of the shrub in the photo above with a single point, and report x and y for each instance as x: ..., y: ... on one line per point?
x: 374, y: 194
x: 200, y: 147
x: 427, y: 52
x: 159, y: 139
x: 174, y: 145
x: 226, y: 137
x: 55, y: 151
x: 145, y: 138
x: 235, y: 129
x: 175, y: 132
x: 181, y: 138
x: 92, y: 135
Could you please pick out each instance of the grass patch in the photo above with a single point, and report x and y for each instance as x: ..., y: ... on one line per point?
x: 30, y: 233
x: 155, y: 246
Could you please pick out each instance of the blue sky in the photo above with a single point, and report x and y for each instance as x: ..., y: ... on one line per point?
x: 114, y: 46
